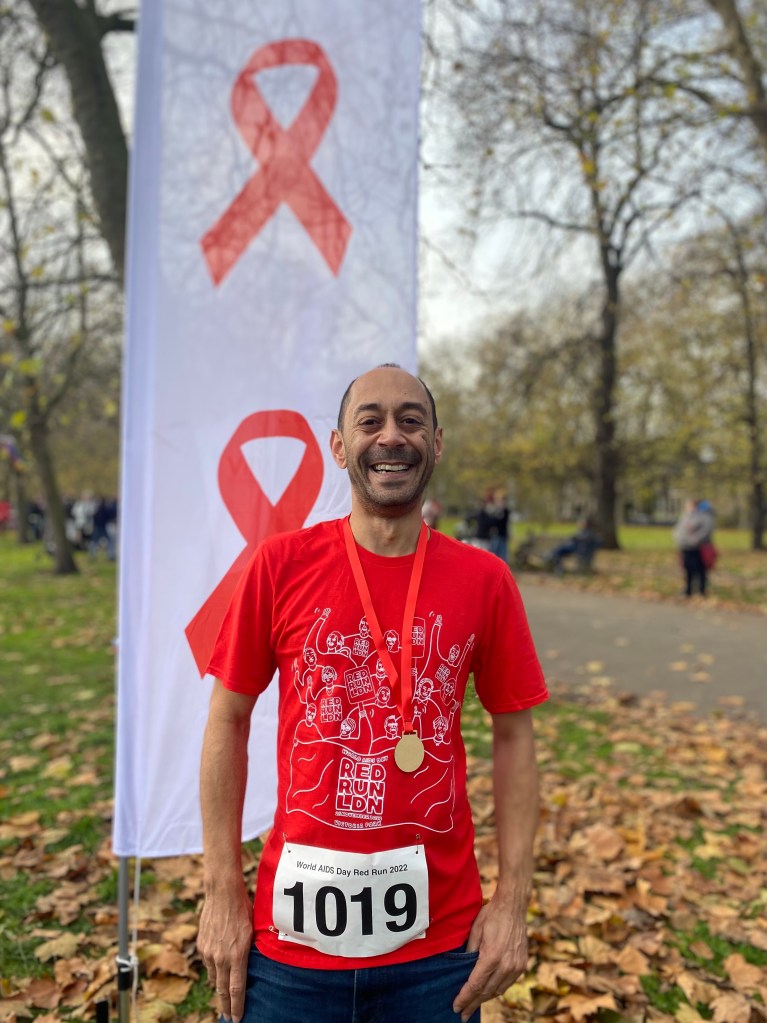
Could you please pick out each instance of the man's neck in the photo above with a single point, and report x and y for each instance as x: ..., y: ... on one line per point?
x: 388, y: 536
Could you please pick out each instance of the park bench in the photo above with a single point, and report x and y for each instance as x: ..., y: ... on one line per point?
x: 533, y: 553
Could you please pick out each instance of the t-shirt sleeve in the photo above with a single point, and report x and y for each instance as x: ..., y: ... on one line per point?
x: 507, y: 673
x: 243, y: 657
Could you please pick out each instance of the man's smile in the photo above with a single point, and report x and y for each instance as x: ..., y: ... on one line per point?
x: 383, y: 462
x: 384, y: 467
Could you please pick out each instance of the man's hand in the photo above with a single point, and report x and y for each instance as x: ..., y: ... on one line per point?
x: 500, y: 934
x: 224, y: 941
x: 226, y: 923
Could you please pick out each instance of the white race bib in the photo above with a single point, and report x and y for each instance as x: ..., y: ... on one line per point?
x: 351, y: 904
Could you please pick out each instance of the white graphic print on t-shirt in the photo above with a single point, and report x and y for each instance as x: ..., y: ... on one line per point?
x: 341, y: 760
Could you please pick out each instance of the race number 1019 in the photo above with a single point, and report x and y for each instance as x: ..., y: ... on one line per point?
x: 351, y: 904
x: 400, y: 905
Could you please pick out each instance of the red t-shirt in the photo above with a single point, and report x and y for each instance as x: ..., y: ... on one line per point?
x: 340, y: 796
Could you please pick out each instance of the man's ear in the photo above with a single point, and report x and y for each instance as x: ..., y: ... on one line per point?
x: 438, y: 444
x: 338, y: 449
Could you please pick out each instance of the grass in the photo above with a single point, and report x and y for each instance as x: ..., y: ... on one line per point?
x: 56, y: 752
x: 631, y: 538
x: 642, y: 538
x: 56, y: 726
x: 56, y: 684
x: 647, y: 565
x: 720, y: 948
x: 20, y: 895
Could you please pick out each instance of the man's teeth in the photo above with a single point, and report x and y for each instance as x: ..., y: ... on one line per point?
x: 390, y: 467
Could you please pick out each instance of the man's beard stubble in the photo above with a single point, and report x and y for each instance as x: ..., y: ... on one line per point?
x: 398, y: 501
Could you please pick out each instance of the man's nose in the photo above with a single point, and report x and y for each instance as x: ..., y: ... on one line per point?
x: 391, y: 435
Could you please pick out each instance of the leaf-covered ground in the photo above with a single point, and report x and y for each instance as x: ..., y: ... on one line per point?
x: 650, y: 870
x: 648, y: 899
x: 649, y: 887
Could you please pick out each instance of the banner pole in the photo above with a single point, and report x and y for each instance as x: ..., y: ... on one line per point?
x: 126, y: 965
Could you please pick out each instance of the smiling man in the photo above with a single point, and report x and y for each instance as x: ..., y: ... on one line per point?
x: 368, y: 904
x: 390, y: 458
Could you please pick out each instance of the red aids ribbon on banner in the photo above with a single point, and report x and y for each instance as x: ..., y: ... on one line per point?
x: 254, y: 514
x: 284, y: 173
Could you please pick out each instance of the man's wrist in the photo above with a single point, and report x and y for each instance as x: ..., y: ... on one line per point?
x: 513, y: 893
x: 224, y: 881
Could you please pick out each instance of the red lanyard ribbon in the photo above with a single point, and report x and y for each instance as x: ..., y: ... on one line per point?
x: 406, y: 679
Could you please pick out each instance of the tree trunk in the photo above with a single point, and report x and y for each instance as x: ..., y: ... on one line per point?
x: 744, y: 54
x: 606, y: 454
x: 751, y: 416
x: 64, y: 559
x: 757, y: 516
x: 75, y: 39
x: 757, y: 477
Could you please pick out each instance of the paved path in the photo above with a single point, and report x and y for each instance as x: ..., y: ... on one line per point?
x: 698, y: 654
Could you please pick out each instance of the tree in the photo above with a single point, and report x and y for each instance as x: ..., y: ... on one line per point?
x: 53, y: 266
x: 565, y: 124
x: 733, y: 260
x: 76, y: 34
x: 516, y: 411
x: 741, y: 35
x: 677, y: 392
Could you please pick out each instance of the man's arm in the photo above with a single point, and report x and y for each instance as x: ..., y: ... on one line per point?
x: 500, y: 929
x: 226, y: 923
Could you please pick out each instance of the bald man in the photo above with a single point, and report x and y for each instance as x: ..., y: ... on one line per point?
x: 368, y: 904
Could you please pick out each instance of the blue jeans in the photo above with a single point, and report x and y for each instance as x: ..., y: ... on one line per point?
x: 421, y: 991
x: 500, y: 545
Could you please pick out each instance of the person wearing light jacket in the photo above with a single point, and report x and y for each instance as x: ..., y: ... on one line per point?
x: 691, y: 533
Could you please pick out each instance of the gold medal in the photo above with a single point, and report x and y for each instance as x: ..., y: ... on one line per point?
x: 409, y: 753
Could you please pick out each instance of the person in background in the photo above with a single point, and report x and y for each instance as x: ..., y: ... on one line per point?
x: 498, y: 515
x: 430, y: 512
x: 583, y: 545
x: 99, y: 530
x: 82, y: 517
x: 104, y: 526
x: 36, y: 519
x: 692, y: 534
x: 482, y: 523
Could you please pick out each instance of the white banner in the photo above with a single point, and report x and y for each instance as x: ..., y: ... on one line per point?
x: 271, y: 258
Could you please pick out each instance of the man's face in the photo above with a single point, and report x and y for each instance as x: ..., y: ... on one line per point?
x: 425, y: 689
x: 388, y: 441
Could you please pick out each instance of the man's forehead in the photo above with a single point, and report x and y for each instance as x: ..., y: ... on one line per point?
x: 388, y: 387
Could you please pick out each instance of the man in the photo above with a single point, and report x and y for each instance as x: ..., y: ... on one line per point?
x: 368, y: 905
x: 584, y: 544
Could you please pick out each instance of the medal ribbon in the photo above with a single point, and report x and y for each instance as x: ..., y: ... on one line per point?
x: 406, y: 679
